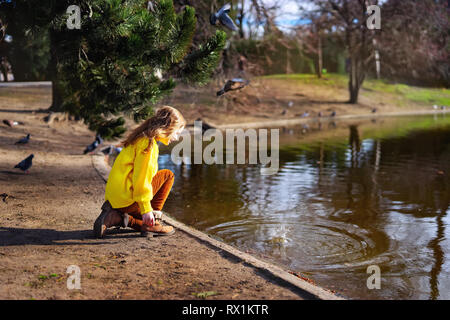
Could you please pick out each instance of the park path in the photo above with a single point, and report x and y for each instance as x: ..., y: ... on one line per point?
x: 46, y: 225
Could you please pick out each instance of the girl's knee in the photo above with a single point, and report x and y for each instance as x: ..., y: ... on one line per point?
x: 168, y: 173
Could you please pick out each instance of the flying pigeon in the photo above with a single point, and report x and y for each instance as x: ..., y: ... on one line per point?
x: 233, y: 84
x: 25, y: 164
x: 24, y: 139
x: 93, y: 145
x: 222, y: 17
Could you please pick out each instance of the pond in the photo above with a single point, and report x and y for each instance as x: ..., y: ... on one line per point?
x: 348, y: 195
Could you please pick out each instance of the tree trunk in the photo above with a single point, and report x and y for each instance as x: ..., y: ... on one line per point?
x: 357, y: 75
x: 241, y: 20
x: 4, y: 70
x: 319, y: 57
x: 57, y: 98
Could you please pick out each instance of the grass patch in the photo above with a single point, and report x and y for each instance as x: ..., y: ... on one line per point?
x: 402, y: 94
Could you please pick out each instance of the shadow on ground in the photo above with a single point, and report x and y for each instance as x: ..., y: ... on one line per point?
x: 21, y: 236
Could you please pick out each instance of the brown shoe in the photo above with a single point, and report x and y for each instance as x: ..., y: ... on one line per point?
x: 157, y: 230
x: 109, y: 218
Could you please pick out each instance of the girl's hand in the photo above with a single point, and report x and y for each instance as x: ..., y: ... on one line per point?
x: 148, y: 219
x: 157, y: 214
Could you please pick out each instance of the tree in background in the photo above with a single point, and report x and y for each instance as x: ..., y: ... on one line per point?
x: 348, y: 18
x: 414, y: 43
x: 123, y: 59
x: 311, y: 37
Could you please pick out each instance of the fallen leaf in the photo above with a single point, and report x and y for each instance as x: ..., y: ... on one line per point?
x: 206, y: 294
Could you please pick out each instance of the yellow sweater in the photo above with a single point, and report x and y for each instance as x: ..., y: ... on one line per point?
x: 130, y: 179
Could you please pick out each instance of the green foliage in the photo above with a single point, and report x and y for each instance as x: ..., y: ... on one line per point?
x: 110, y: 66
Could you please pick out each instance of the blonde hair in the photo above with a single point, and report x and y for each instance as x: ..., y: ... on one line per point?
x: 165, y: 121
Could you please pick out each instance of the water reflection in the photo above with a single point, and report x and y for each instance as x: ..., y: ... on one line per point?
x: 347, y: 196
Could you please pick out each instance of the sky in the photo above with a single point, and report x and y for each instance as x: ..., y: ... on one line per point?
x: 288, y: 14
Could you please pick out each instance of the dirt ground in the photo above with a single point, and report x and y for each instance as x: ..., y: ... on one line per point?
x: 47, y: 217
x: 269, y: 99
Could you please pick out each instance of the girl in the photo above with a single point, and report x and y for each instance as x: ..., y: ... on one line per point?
x: 136, y: 191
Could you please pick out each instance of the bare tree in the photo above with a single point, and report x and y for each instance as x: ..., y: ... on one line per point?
x: 348, y: 19
x: 310, y: 37
x: 417, y: 44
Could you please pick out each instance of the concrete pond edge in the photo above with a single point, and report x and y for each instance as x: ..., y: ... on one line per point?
x: 301, y: 287
x: 294, y: 121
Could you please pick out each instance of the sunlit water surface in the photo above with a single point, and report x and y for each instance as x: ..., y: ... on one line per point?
x: 347, y: 195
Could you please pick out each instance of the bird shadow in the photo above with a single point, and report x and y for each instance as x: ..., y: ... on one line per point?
x: 24, y: 111
x: 22, y: 236
x: 12, y: 172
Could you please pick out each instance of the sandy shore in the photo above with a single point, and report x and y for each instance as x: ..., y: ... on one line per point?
x: 47, y: 218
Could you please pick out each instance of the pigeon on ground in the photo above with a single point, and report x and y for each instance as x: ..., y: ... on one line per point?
x: 333, y: 114
x: 374, y: 110
x: 24, y: 140
x: 319, y: 114
x: 443, y: 107
x: 110, y: 150
x: 205, y: 126
x: 98, y: 141
x: 233, y: 84
x: 305, y: 114
x: 290, y: 104
x: 25, y: 164
x: 222, y: 17
x: 11, y: 123
x: 435, y: 107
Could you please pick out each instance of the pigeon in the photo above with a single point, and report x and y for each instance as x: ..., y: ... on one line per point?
x: 374, y: 110
x: 305, y: 114
x: 435, y: 107
x: 205, y: 126
x: 25, y: 164
x: 443, y: 107
x: 284, y: 112
x: 110, y: 150
x: 24, y: 140
x: 233, y: 84
x: 333, y: 114
x: 290, y: 104
x: 8, y: 38
x: 11, y: 123
x: 319, y: 114
x: 222, y: 17
x: 98, y: 141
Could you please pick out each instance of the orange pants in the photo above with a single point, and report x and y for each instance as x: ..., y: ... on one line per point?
x: 161, y: 184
